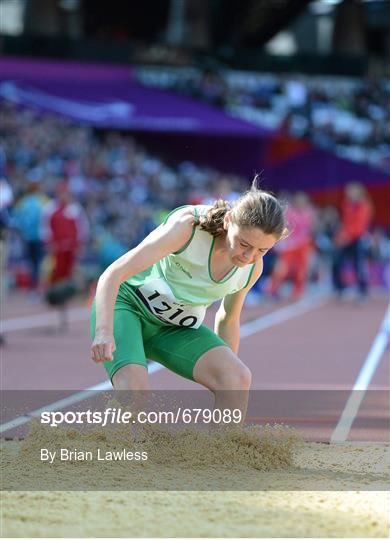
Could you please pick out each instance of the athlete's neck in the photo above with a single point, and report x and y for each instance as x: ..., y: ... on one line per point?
x: 220, y: 245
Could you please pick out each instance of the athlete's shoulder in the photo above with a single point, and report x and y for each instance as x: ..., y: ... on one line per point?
x: 184, y: 216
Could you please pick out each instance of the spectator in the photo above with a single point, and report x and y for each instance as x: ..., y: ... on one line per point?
x: 327, y: 224
x: 65, y: 229
x: 350, y: 238
x: 28, y: 214
x: 294, y: 252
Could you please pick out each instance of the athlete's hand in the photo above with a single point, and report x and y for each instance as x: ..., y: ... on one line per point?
x: 103, y: 347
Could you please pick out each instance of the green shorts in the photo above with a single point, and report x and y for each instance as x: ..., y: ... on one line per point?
x: 138, y: 338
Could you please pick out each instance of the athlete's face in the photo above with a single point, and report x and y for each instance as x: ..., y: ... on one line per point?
x: 246, y: 245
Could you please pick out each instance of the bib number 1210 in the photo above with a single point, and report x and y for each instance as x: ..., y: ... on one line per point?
x: 161, y: 306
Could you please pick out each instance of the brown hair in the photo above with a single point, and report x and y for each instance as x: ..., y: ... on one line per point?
x: 255, y: 208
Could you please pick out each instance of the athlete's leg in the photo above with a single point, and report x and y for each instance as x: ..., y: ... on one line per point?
x: 202, y: 356
x: 131, y: 377
x: 222, y: 372
x: 128, y: 368
x: 131, y: 384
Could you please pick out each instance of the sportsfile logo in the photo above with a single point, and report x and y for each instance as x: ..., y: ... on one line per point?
x: 113, y: 415
x: 101, y: 418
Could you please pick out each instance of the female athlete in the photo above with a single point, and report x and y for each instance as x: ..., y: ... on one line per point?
x: 151, y: 302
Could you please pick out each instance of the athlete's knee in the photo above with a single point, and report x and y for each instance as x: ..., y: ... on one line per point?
x: 221, y: 369
x: 131, y: 377
x: 237, y: 377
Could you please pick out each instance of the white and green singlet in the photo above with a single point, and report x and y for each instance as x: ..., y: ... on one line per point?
x: 178, y: 289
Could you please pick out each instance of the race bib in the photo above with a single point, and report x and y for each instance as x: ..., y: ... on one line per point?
x: 157, y: 296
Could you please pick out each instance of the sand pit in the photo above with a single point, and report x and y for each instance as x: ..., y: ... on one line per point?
x: 195, y: 514
x: 279, y: 486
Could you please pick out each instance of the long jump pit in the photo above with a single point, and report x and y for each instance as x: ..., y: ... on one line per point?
x: 151, y: 480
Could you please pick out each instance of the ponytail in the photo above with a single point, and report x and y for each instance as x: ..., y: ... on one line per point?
x: 255, y: 208
x: 212, y: 221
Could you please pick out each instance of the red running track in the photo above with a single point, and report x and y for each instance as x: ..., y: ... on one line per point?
x: 305, y: 366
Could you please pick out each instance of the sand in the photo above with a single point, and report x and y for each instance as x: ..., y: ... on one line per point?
x: 196, y: 514
x: 279, y: 486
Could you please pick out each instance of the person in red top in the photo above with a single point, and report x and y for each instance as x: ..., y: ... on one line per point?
x: 65, y: 230
x: 294, y: 255
x: 356, y: 215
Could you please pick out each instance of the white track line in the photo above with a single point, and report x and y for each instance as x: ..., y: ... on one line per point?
x: 247, y: 329
x: 42, y: 319
x: 341, y: 431
x: 65, y: 402
x: 283, y: 314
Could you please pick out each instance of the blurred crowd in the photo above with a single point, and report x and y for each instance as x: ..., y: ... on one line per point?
x: 74, y: 199
x: 59, y: 171
x: 349, y: 117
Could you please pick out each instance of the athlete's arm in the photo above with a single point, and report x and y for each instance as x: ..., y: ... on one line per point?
x: 227, y: 318
x: 164, y: 240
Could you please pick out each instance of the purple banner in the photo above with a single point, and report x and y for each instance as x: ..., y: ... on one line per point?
x: 108, y: 97
x: 180, y: 128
